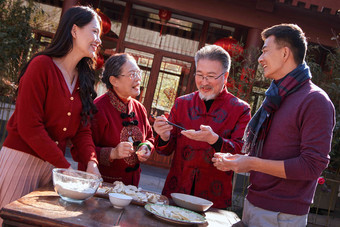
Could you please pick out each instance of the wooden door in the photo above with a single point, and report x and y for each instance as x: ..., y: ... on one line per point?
x: 164, y: 78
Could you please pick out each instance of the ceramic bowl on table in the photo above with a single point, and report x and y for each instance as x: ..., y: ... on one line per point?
x: 74, y: 185
x: 119, y: 201
x: 191, y: 202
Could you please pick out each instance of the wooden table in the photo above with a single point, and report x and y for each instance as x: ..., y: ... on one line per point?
x: 45, y: 208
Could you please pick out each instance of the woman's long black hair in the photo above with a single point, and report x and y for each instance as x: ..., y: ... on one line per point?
x: 62, y: 44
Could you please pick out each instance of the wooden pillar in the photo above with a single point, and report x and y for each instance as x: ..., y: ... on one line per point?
x: 253, y: 44
x: 68, y: 4
x: 204, y: 34
x: 151, y: 87
x: 254, y: 38
x: 123, y: 28
x: 191, y: 84
x: 252, y: 47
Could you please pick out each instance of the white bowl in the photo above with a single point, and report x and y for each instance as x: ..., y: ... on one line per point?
x: 191, y: 202
x: 74, y: 185
x: 119, y: 201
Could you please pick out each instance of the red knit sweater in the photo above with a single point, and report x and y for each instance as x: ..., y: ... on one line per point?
x: 46, y: 116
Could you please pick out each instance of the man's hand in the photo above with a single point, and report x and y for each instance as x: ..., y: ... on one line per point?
x: 143, y: 153
x: 237, y: 163
x: 93, y: 168
x: 244, y: 163
x: 206, y: 134
x: 162, y: 128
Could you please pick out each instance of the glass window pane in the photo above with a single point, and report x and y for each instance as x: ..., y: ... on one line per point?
x: 165, y: 92
x: 144, y: 61
x: 179, y: 35
x: 170, y: 84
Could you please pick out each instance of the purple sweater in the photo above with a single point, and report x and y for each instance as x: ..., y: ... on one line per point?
x: 301, y: 135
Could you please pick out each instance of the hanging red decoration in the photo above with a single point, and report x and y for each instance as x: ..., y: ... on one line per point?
x: 164, y: 16
x: 99, y: 61
x: 106, y: 22
x: 231, y: 45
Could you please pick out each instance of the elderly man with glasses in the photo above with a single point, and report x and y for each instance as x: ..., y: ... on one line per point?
x: 215, y: 121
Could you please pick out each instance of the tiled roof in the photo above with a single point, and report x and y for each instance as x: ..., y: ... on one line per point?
x: 330, y: 6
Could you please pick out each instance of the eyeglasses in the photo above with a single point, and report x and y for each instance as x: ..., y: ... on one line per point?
x: 133, y: 75
x: 208, y: 78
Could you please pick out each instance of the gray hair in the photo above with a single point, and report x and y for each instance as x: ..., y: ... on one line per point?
x: 214, y: 53
x: 113, y: 67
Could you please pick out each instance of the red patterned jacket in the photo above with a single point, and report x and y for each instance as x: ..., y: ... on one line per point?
x: 191, y: 164
x: 108, y: 131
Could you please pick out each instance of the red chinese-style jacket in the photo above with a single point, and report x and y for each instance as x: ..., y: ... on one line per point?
x: 191, y: 164
x: 108, y: 131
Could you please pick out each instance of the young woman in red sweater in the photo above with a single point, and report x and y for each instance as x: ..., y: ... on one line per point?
x: 53, y: 108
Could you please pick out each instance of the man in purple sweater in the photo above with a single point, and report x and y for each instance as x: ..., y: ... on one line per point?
x: 288, y: 139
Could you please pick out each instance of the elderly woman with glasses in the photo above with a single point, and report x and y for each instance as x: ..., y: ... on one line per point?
x: 121, y: 131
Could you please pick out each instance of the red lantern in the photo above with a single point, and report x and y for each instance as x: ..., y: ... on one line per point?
x: 231, y: 45
x: 99, y: 61
x: 106, y: 22
x: 164, y: 16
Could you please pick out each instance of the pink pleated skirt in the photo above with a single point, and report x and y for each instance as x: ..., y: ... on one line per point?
x: 20, y: 174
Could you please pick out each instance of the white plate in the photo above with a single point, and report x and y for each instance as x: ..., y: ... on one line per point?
x: 193, y: 217
x: 191, y: 202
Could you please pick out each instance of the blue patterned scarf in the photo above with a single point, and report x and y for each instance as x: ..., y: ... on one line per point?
x: 257, y: 129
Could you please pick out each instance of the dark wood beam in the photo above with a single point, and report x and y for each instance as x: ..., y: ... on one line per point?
x: 67, y: 4
x: 316, y: 25
x: 123, y: 29
x: 151, y: 87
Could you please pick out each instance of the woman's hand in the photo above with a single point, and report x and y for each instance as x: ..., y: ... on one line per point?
x: 93, y: 168
x: 143, y: 153
x: 123, y: 150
